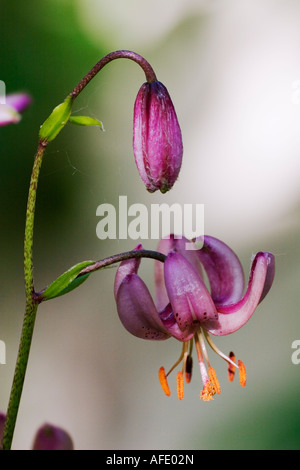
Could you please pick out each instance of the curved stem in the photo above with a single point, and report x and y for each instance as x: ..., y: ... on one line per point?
x: 31, y: 306
x: 149, y: 72
x: 103, y: 263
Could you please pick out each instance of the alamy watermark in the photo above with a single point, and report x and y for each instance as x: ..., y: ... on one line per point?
x: 2, y: 352
x: 2, y: 92
x: 296, y: 354
x: 137, y: 221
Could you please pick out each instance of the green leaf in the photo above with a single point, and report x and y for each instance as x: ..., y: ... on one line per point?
x: 66, y: 282
x: 85, y: 121
x: 57, y: 120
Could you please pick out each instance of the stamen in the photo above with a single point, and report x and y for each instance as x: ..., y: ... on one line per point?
x: 163, y: 381
x: 217, y: 350
x: 208, y: 392
x: 242, y: 373
x: 213, y: 380
x: 188, y: 368
x: 203, y: 347
x: 202, y: 366
x: 231, y: 368
x: 179, y: 359
x: 180, y: 385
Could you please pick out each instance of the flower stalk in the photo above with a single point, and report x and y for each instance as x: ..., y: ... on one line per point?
x: 122, y: 54
x: 48, y: 132
x: 31, y: 305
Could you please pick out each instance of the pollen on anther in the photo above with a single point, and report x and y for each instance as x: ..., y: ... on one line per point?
x: 163, y: 381
x: 213, y: 380
x: 208, y: 392
x: 242, y: 373
x: 180, y: 385
x: 231, y: 367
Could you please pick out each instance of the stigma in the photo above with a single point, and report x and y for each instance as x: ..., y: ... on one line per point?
x: 210, y: 382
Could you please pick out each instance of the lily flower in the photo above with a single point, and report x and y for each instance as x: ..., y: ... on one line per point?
x: 187, y: 309
x: 157, y: 140
x: 11, y: 106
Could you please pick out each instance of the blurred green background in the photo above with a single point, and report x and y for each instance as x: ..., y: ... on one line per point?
x: 232, y: 69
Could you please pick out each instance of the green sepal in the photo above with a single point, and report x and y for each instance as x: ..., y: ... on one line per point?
x: 85, y: 121
x: 66, y: 282
x: 57, y: 120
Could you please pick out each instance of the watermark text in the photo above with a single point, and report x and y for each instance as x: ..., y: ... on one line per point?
x: 137, y: 221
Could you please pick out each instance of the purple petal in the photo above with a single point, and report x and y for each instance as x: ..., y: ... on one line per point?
x: 126, y: 267
x: 50, y: 437
x: 269, y: 276
x: 189, y: 297
x: 18, y: 101
x: 165, y: 246
x: 137, y: 311
x: 233, y: 317
x: 224, y: 271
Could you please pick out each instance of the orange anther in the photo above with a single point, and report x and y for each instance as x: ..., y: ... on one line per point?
x: 180, y: 385
x: 231, y: 367
x: 208, y: 392
x: 163, y: 381
x: 213, y: 380
x: 242, y: 373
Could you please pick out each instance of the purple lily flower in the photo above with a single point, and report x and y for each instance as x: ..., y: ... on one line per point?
x: 49, y: 437
x: 188, y: 310
x: 12, y: 106
x: 157, y: 141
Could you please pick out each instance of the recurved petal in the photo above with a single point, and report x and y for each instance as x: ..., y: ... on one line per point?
x: 189, y: 297
x: 224, y: 271
x: 137, y: 311
x: 233, y: 317
x: 126, y: 267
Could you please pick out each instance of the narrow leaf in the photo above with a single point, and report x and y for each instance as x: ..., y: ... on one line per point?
x: 85, y: 121
x: 66, y: 282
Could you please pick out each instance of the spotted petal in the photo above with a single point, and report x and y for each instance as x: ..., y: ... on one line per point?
x: 137, y: 311
x: 233, y: 317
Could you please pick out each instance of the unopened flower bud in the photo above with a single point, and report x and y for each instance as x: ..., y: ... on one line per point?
x: 50, y: 437
x: 157, y: 140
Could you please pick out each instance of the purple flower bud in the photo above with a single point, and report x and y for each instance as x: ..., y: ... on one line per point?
x: 157, y: 140
x: 50, y: 437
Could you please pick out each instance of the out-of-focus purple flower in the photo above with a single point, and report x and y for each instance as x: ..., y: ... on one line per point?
x: 2, y: 423
x: 188, y: 310
x: 50, y: 437
x: 11, y: 106
x: 157, y: 140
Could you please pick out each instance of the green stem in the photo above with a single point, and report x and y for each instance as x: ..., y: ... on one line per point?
x: 31, y: 306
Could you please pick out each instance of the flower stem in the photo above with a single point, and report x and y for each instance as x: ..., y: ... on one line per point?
x: 149, y: 72
x: 103, y: 263
x: 30, y: 309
